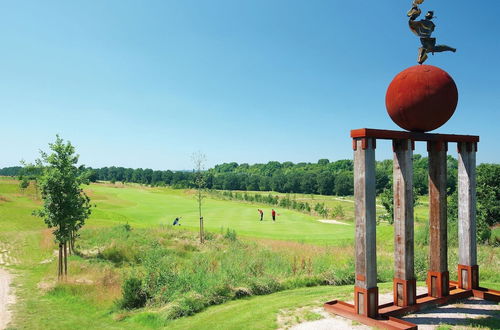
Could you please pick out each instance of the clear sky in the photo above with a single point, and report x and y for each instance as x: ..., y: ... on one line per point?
x: 148, y: 83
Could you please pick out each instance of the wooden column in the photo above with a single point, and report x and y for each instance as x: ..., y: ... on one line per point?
x: 438, y: 277
x: 468, y: 270
x: 404, y: 271
x: 365, y: 290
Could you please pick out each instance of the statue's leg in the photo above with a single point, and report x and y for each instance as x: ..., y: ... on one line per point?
x: 443, y: 48
x: 422, y: 55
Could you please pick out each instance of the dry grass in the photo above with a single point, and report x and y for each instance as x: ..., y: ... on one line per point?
x: 303, y: 249
x: 47, y: 240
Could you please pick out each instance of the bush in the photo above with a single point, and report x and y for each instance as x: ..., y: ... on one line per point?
x: 191, y: 303
x: 230, y: 235
x: 133, y: 296
x: 262, y: 286
x: 116, y: 254
x: 241, y: 292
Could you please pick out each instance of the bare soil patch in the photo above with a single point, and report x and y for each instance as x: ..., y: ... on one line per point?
x: 7, y: 297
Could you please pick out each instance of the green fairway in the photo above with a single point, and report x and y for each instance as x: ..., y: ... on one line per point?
x: 152, y: 206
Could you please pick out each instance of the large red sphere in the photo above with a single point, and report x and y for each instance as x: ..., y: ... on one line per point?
x: 421, y: 98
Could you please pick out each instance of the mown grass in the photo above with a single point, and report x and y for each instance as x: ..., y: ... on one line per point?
x: 294, y: 252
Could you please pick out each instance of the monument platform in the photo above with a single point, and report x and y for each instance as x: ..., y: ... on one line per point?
x: 388, y: 313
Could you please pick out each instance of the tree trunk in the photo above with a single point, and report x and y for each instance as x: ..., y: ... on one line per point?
x: 72, y: 245
x: 201, y: 218
x: 59, y: 263
x: 65, y: 259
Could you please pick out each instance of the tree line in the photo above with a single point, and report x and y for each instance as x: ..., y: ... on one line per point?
x: 323, y: 177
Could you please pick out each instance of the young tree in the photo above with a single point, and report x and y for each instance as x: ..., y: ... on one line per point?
x: 199, y: 160
x: 387, y: 200
x: 65, y: 204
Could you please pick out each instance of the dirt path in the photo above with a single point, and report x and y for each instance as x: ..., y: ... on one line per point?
x: 6, y: 297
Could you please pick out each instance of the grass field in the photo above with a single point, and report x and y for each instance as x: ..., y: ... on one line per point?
x: 146, y: 207
x: 87, y: 299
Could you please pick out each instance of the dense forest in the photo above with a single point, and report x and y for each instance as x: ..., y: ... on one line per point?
x: 323, y: 177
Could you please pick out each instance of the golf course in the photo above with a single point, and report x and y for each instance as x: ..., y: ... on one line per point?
x: 246, y: 274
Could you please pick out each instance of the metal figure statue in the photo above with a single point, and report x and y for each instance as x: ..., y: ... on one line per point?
x: 423, y: 29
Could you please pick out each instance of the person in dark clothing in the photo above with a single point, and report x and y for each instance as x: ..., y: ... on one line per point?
x: 261, y: 214
x: 273, y: 214
x: 177, y: 221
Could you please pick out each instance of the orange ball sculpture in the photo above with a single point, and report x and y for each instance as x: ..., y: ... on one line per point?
x: 421, y: 98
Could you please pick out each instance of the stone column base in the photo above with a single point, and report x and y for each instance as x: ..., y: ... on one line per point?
x: 438, y: 284
x: 468, y: 277
x: 405, y: 292
x: 366, y: 301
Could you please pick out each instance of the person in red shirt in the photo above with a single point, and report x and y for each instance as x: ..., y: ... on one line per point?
x: 261, y: 214
x: 273, y: 214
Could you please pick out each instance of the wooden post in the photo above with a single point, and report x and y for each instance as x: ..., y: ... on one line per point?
x: 468, y: 270
x: 405, y: 289
x: 365, y: 290
x: 437, y: 277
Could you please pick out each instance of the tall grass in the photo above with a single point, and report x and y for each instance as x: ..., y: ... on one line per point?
x: 170, y: 270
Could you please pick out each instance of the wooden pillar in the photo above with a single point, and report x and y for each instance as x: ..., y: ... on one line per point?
x: 405, y: 289
x: 468, y: 270
x: 437, y: 277
x: 365, y: 290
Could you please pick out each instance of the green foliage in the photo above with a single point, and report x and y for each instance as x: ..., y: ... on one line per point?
x: 387, y: 200
x: 133, y: 296
x: 65, y: 204
x: 487, y: 208
x: 117, y: 254
x: 127, y: 227
x: 230, y: 235
x: 488, y: 194
x: 24, y: 184
x: 338, y: 212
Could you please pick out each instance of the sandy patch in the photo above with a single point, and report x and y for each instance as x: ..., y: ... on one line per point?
x: 6, y: 297
x: 328, y: 322
x: 5, y: 258
x: 331, y: 321
x: 456, y: 314
x: 333, y: 222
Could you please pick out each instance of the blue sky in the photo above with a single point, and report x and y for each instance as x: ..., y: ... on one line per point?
x: 148, y: 83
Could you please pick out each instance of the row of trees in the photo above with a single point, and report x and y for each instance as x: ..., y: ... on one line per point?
x: 323, y: 177
x: 286, y: 201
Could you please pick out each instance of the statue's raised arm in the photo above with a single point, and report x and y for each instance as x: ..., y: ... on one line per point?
x: 414, y: 12
x: 423, y: 29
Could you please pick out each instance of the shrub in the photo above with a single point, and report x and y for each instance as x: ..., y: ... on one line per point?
x: 133, y: 295
x: 189, y: 304
x: 116, y: 254
x: 230, y: 235
x: 261, y: 286
x: 338, y: 212
x: 241, y: 292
